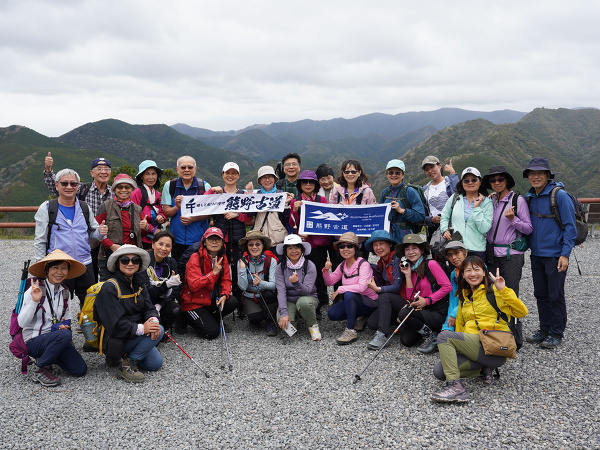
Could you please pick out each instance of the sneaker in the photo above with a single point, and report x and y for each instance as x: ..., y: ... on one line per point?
x: 378, y: 341
x: 537, y: 337
x: 272, y: 329
x: 347, y: 337
x: 45, y: 377
x: 453, y: 391
x: 360, y: 323
x: 128, y: 370
x: 487, y: 376
x: 315, y: 333
x: 111, y: 362
x: 429, y: 344
x: 551, y: 342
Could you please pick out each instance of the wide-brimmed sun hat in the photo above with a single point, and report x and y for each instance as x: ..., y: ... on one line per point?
x: 38, y: 269
x: 498, y: 170
x: 254, y: 234
x: 416, y: 239
x: 128, y: 249
x: 348, y: 238
x: 293, y: 239
x: 145, y: 165
x: 378, y: 235
x: 538, y: 164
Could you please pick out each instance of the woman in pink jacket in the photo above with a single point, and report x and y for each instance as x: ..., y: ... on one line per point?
x: 355, y: 273
x: 147, y: 196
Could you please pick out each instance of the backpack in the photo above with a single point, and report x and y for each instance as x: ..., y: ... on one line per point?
x: 357, y: 269
x: 272, y: 226
x: 88, y: 310
x: 173, y: 185
x: 515, y: 326
x: 53, y: 212
x: 580, y: 221
x: 85, y: 188
x: 441, y: 304
x: 359, y: 198
x: 269, y: 257
x: 403, y: 200
x: 17, y: 344
x: 144, y: 201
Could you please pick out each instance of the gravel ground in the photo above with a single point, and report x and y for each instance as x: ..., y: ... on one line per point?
x: 294, y: 393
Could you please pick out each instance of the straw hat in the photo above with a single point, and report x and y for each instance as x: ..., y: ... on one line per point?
x: 348, y: 237
x: 76, y: 268
x: 127, y: 249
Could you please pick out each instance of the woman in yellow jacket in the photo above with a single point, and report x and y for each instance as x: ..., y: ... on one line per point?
x: 461, y: 353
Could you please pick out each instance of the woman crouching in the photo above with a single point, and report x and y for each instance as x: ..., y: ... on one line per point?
x: 124, y: 307
x: 461, y: 352
x: 46, y: 318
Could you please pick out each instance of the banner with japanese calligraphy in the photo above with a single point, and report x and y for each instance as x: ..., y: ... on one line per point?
x: 321, y: 218
x: 204, y: 205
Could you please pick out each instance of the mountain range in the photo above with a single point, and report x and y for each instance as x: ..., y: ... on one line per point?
x: 569, y: 138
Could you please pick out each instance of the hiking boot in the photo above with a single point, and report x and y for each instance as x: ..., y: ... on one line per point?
x: 551, y: 342
x: 315, y: 333
x: 537, y: 337
x: 360, y: 323
x: 128, y: 370
x: 89, y: 348
x: 111, y: 362
x: 429, y: 344
x: 487, y: 376
x: 453, y: 392
x: 45, y: 377
x: 347, y: 337
x: 378, y: 341
x: 272, y: 329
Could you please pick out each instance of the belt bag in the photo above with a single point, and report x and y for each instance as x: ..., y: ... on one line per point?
x: 498, y: 342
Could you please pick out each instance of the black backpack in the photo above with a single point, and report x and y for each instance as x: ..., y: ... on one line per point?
x: 85, y: 188
x: 173, y: 185
x: 580, y: 222
x: 53, y: 211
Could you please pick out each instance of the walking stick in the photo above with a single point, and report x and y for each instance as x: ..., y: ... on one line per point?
x: 224, y: 341
x: 357, y: 376
x: 186, y: 354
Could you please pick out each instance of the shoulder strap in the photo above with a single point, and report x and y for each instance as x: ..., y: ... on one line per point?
x: 172, y: 186
x: 515, y: 204
x: 85, y: 209
x: 554, y: 207
x: 85, y: 188
x: 454, y: 200
x: 492, y: 299
x: 431, y: 277
x: 52, y: 212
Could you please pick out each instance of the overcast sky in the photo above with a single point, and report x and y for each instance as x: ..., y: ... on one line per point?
x: 228, y: 64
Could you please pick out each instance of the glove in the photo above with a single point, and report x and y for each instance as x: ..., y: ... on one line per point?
x: 173, y: 281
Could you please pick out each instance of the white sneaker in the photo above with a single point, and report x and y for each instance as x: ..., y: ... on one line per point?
x: 315, y: 333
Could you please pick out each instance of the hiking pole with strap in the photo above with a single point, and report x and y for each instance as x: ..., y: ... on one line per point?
x: 357, y: 376
x: 251, y: 277
x: 186, y: 354
x: 224, y: 341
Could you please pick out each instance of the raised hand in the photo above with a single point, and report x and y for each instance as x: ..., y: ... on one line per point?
x: 48, y: 162
x: 218, y: 266
x: 294, y: 278
x: 327, y: 265
x: 498, y: 280
x: 36, y: 291
x: 103, y: 228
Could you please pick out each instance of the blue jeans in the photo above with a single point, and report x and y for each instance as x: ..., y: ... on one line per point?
x: 56, y: 348
x: 354, y: 305
x: 549, y: 291
x: 143, y: 350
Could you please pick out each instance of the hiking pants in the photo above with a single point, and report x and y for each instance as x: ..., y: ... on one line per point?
x: 206, y: 320
x: 306, y: 306
x: 57, y: 348
x: 510, y: 269
x: 256, y: 310
x: 143, y: 350
x: 354, y: 305
x: 462, y: 355
x: 387, y: 311
x: 549, y: 291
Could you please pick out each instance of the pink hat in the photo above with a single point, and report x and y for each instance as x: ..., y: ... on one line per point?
x: 123, y: 178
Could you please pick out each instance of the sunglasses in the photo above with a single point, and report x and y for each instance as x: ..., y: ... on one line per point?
x: 308, y: 181
x: 343, y: 246
x: 69, y: 183
x: 394, y: 172
x: 255, y: 244
x: 125, y: 260
x: 470, y: 180
x: 186, y: 167
x: 351, y: 172
x: 497, y: 180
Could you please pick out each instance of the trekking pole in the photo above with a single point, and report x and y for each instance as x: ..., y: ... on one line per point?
x: 357, y: 376
x: 261, y: 297
x: 224, y: 341
x: 186, y: 354
x: 577, y: 261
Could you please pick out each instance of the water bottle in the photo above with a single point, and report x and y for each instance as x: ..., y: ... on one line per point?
x: 87, y: 326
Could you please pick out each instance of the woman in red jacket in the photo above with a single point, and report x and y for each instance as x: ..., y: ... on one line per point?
x: 207, y: 286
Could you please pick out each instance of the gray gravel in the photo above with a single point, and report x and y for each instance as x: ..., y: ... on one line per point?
x: 294, y: 393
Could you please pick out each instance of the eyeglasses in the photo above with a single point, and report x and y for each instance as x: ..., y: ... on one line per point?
x: 294, y: 164
x: 470, y: 180
x: 394, y: 172
x: 308, y: 181
x: 69, y: 183
x: 351, y: 172
x: 497, y: 180
x: 254, y: 244
x: 102, y: 169
x: 125, y: 260
x: 186, y: 167
x: 343, y: 246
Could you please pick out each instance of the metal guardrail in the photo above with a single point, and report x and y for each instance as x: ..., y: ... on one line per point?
x: 592, y: 214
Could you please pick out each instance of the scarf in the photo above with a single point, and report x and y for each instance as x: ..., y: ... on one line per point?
x: 417, y: 263
x: 296, y: 266
x: 272, y: 191
x: 124, y: 204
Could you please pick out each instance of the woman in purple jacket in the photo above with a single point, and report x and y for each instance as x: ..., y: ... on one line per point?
x: 508, y: 225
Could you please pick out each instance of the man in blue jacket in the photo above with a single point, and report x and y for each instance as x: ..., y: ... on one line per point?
x: 551, y: 248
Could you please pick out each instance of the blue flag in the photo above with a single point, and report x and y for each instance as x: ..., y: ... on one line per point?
x: 333, y: 220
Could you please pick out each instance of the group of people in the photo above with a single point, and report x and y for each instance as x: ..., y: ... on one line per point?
x: 206, y: 267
